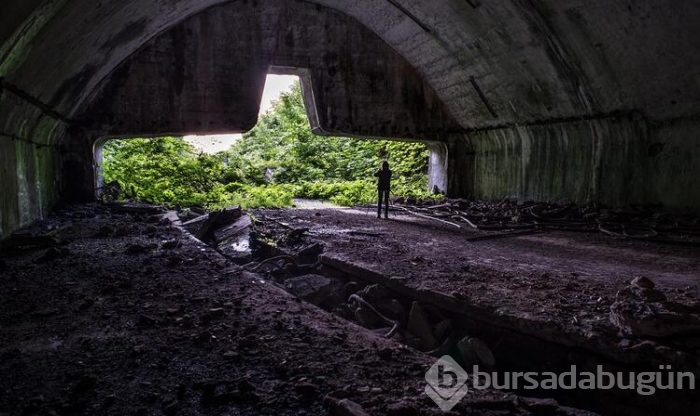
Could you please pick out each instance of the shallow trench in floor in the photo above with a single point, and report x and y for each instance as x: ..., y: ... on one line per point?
x: 490, y: 342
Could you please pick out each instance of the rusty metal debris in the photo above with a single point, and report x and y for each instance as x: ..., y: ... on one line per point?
x: 357, y: 301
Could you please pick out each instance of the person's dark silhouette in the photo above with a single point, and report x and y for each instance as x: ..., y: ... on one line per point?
x: 383, y: 188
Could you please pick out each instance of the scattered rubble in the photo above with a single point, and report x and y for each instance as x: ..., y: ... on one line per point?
x: 419, y: 325
x: 443, y: 301
x: 236, y: 342
x: 641, y: 310
x: 97, y: 331
x: 519, y: 218
x: 109, y: 192
x: 313, y: 288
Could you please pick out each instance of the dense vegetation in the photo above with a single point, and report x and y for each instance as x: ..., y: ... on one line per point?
x: 277, y: 161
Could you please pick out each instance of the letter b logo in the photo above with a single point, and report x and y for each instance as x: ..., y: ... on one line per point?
x: 447, y: 379
x: 447, y: 383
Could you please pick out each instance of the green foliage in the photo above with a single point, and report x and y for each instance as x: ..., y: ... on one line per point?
x: 164, y: 170
x: 282, y: 142
x: 346, y: 193
x: 261, y: 196
x: 277, y: 161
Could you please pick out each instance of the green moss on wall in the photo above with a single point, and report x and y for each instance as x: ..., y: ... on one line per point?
x: 28, y: 176
x: 15, y: 50
x: 613, y: 161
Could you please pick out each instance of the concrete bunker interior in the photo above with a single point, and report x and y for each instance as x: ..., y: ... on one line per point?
x: 563, y: 134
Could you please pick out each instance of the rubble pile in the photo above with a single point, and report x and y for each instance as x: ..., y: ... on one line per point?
x: 641, y: 311
x: 521, y: 217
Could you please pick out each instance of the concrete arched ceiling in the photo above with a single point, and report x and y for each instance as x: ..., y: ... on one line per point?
x: 491, y: 62
x: 207, y: 75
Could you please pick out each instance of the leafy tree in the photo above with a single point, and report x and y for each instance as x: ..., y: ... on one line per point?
x: 163, y: 170
x: 282, y: 142
x: 276, y: 161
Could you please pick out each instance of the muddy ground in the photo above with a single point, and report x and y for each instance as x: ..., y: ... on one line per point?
x: 128, y: 315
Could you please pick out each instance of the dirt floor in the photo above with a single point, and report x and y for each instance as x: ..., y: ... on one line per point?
x: 548, y: 276
x: 561, y: 296
x: 126, y: 314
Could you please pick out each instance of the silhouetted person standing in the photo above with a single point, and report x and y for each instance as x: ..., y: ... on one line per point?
x: 383, y: 188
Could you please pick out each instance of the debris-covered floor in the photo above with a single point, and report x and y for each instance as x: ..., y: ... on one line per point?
x: 539, y: 300
x: 107, y: 311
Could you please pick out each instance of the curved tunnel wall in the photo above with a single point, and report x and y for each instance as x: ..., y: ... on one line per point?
x: 523, y: 80
x: 617, y: 161
x: 29, y: 164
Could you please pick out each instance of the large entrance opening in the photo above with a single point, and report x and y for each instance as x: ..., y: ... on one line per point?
x: 279, y: 163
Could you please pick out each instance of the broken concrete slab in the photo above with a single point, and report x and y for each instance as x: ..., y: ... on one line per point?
x: 195, y: 221
x: 225, y: 233
x: 420, y: 326
x: 474, y: 351
x: 313, y: 288
x: 215, y: 220
x: 172, y: 218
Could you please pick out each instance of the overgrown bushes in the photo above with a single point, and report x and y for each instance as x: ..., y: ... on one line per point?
x: 277, y: 161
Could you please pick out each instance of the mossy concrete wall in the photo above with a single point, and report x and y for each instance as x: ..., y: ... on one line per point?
x: 28, y: 178
x: 616, y: 161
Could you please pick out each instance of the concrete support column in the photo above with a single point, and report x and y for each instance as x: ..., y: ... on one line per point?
x: 459, y: 167
x: 437, y: 167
